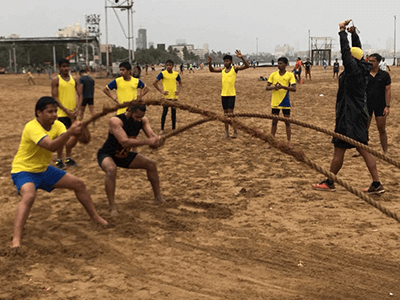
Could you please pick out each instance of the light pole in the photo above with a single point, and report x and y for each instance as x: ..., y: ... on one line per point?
x: 127, y: 4
x: 394, y: 54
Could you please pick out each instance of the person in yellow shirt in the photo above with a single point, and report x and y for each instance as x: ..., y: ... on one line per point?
x: 168, y: 77
x: 281, y: 82
x: 127, y: 87
x: 31, y: 168
x: 65, y: 90
x: 228, y: 92
x: 30, y: 78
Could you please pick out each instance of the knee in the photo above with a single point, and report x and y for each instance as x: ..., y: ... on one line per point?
x: 28, y: 199
x: 111, y: 171
x: 382, y: 129
x: 152, y: 165
x: 274, y: 122
x: 79, y: 185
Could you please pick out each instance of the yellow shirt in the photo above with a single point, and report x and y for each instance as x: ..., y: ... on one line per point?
x: 31, y: 157
x: 280, y: 98
x: 169, y: 83
x: 66, y: 95
x: 126, y: 90
x: 228, y: 82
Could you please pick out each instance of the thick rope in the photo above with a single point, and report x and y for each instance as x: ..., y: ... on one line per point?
x: 284, y: 147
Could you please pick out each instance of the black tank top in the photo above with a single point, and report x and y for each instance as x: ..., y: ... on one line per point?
x: 112, y: 146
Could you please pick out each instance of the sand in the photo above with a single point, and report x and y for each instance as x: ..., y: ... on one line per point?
x: 240, y: 222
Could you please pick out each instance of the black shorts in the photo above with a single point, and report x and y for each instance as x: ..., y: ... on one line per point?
x: 66, y: 121
x: 335, y: 71
x: 228, y: 102
x: 275, y: 111
x: 376, y: 109
x: 87, y: 101
x: 120, y: 162
x: 342, y: 144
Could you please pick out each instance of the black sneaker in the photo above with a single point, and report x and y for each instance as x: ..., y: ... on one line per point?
x: 375, y: 190
x: 60, y: 164
x: 70, y: 162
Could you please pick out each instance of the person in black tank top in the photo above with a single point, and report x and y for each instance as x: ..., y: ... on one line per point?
x: 117, y: 151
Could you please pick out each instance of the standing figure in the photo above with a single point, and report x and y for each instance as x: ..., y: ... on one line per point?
x: 351, y: 110
x: 127, y: 87
x: 169, y: 77
x: 66, y: 91
x: 87, y: 91
x: 281, y: 82
x: 378, y: 97
x: 228, y: 92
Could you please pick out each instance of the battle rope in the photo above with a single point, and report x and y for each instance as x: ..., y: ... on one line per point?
x: 298, y: 155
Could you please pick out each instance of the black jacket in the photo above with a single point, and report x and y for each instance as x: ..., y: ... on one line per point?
x: 351, y: 105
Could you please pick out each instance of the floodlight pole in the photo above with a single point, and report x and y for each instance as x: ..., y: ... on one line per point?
x: 107, y: 58
x: 394, y: 54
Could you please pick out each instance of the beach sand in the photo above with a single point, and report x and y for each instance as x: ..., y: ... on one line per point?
x: 240, y: 222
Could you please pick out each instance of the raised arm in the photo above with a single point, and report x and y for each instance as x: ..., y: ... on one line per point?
x: 210, y: 66
x: 349, y: 62
x: 245, y: 63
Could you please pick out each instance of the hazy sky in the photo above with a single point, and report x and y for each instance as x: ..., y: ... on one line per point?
x: 225, y: 25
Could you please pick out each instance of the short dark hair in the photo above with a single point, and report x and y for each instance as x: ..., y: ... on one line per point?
x: 169, y: 61
x: 63, y: 61
x: 82, y: 71
x: 125, y: 65
x: 42, y: 103
x: 228, y: 57
x: 377, y: 56
x: 284, y: 60
x: 137, y: 107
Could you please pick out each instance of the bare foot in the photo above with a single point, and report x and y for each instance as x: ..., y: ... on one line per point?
x: 226, y: 135
x: 15, y: 244
x: 234, y: 136
x: 100, y: 220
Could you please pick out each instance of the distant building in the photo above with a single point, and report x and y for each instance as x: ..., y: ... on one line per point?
x: 161, y: 46
x: 70, y: 31
x: 202, y: 52
x: 13, y: 36
x: 151, y: 44
x: 284, y: 50
x: 141, y: 41
x: 179, y: 48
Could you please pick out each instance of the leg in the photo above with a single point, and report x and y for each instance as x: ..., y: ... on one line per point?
x: 73, y: 140
x: 163, y: 117
x: 288, y: 129
x: 108, y: 165
x: 91, y: 109
x: 173, y: 117
x: 230, y: 111
x: 28, y: 193
x: 370, y: 161
x: 337, y: 161
x: 142, y: 162
x: 381, y: 124
x: 71, y: 182
x: 226, y: 111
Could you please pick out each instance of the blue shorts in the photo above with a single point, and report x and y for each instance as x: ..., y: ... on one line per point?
x: 44, y: 180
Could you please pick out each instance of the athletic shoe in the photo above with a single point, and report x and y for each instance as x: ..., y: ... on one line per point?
x: 70, y: 162
x: 323, y: 186
x: 60, y: 164
x: 374, y: 190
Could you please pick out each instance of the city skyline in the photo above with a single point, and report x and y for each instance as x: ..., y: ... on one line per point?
x: 252, y: 26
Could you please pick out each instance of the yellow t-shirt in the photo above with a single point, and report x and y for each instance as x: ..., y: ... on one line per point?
x: 126, y: 90
x: 31, y: 157
x: 228, y: 82
x: 66, y: 95
x: 169, y: 83
x: 280, y: 98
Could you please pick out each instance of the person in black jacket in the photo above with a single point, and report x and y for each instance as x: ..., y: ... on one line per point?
x: 351, y: 110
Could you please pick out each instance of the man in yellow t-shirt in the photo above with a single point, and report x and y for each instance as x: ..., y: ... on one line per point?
x: 169, y: 77
x: 65, y: 90
x: 127, y: 87
x: 228, y: 92
x: 31, y: 168
x: 281, y: 82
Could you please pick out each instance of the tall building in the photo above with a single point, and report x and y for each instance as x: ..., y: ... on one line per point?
x: 141, y: 41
